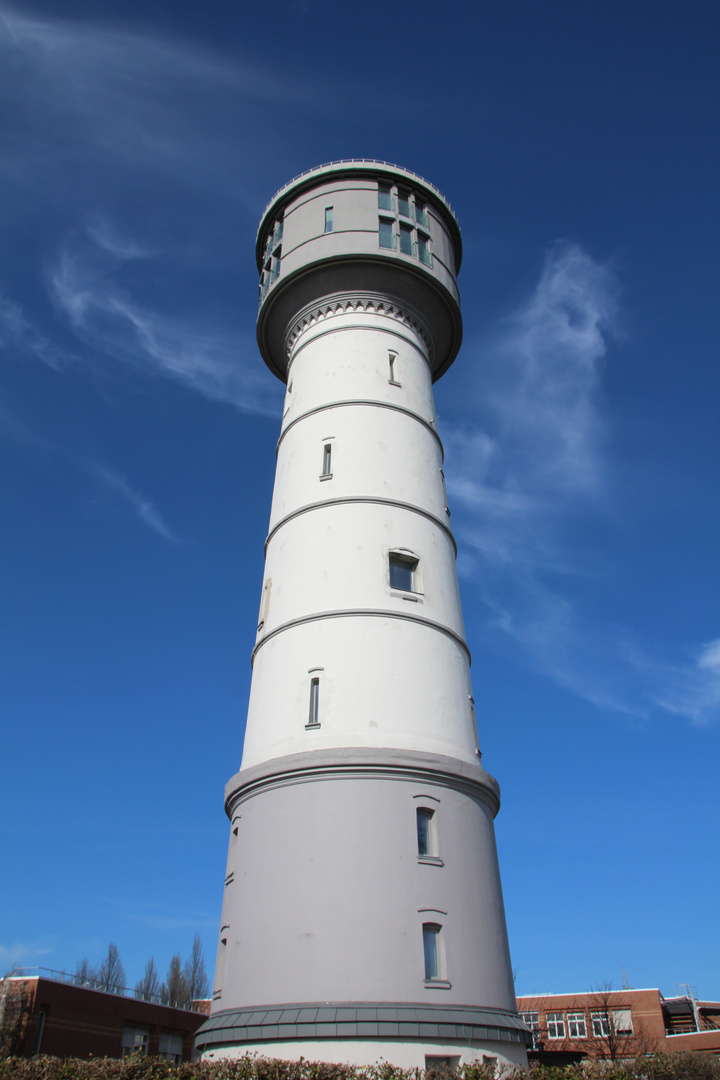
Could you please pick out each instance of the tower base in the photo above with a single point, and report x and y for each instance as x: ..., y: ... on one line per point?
x: 408, y: 1036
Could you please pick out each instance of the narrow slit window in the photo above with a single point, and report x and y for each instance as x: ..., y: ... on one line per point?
x: 314, y: 713
x: 431, y: 935
x: 424, y: 831
x: 392, y: 357
x: 328, y: 219
x: 403, y: 572
x: 327, y: 460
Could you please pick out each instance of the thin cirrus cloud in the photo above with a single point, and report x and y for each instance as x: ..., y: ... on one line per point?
x: 118, y: 485
x: 537, y: 469
x: 106, y: 317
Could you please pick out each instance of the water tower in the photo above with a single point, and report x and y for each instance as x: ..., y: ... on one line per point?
x: 363, y: 914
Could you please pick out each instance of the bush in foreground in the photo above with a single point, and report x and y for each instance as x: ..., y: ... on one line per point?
x: 138, y: 1067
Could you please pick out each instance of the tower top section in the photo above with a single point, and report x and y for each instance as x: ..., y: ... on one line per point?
x: 358, y: 232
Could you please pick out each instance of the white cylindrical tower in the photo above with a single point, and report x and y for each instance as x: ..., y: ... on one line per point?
x: 363, y: 914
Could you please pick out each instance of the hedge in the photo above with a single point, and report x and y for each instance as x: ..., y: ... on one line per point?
x: 137, y: 1067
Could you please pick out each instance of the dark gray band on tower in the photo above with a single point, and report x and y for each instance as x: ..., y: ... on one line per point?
x: 358, y: 1020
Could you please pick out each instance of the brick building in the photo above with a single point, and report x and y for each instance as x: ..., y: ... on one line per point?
x: 618, y: 1023
x: 52, y: 1015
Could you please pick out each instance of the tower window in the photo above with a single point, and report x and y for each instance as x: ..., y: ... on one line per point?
x: 406, y: 239
x: 387, y: 239
x: 385, y: 199
x: 403, y: 572
x: 425, y: 831
x: 327, y: 461
x: 431, y: 938
x: 314, y: 713
x: 392, y: 357
x: 328, y: 219
x: 404, y: 204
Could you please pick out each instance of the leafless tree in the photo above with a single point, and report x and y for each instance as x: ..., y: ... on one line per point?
x: 174, y: 990
x: 111, y: 973
x: 85, y: 974
x: 196, y: 979
x: 148, y: 987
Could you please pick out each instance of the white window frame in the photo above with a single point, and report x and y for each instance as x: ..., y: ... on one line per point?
x: 555, y: 1022
x: 577, y: 1026
x: 600, y: 1024
x: 408, y: 561
x: 314, y: 705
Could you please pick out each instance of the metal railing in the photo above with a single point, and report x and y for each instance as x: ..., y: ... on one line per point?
x: 90, y: 984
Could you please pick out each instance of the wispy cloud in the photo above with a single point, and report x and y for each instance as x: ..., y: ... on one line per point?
x: 17, y: 334
x: 22, y: 954
x: 217, y: 363
x: 524, y: 485
x: 141, y: 506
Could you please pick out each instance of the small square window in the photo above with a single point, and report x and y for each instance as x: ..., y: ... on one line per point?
x: 622, y: 1021
x: 387, y: 239
x: 555, y: 1025
x: 328, y: 219
x: 403, y: 572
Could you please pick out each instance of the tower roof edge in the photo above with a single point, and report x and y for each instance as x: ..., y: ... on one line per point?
x: 355, y: 167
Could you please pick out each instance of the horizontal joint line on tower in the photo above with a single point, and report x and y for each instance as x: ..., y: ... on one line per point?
x: 351, y: 499
x: 373, y: 613
x: 350, y: 402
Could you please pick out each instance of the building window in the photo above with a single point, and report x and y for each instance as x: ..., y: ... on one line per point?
x: 403, y: 572
x: 622, y: 1021
x: 406, y: 239
x: 392, y: 357
x: 431, y: 938
x: 387, y: 238
x: 135, y: 1041
x: 327, y: 460
x: 436, y: 1064
x: 423, y: 249
x: 555, y: 1025
x: 170, y: 1047
x: 425, y: 831
x: 576, y: 1025
x: 39, y: 1031
x: 314, y: 714
x: 271, y: 258
x: 328, y: 219
x: 600, y: 1025
x: 532, y: 1020
x: 409, y: 218
x: 385, y: 198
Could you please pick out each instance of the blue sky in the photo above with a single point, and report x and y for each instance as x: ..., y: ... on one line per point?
x: 577, y: 142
